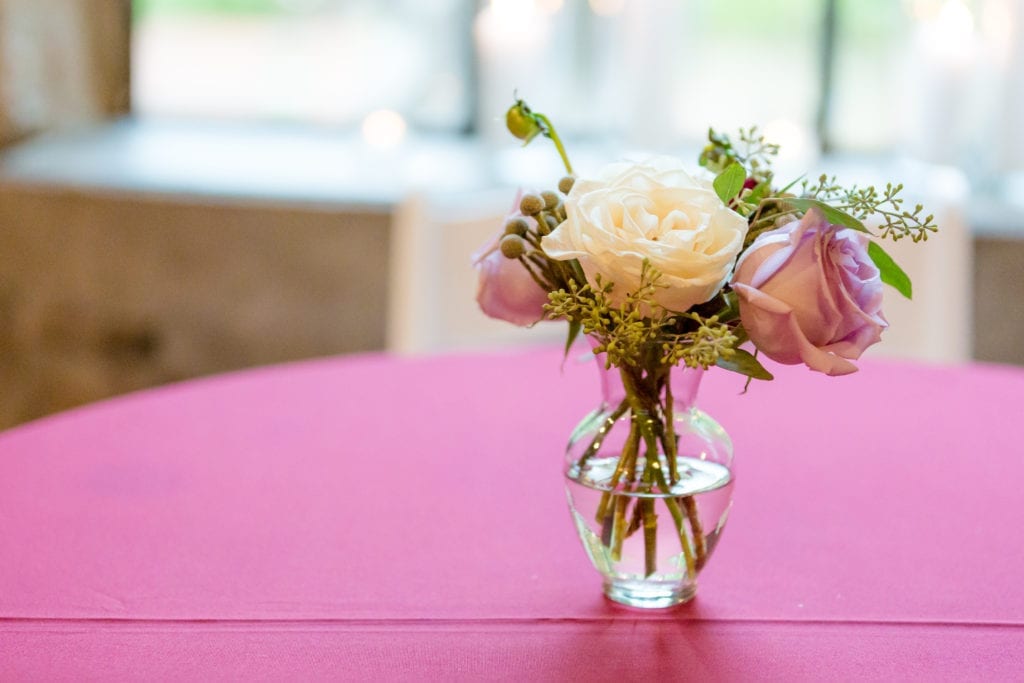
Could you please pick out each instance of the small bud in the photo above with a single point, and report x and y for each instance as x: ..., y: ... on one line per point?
x: 565, y: 184
x: 517, y: 226
x: 531, y: 204
x: 512, y: 246
x: 551, y: 200
x: 521, y: 122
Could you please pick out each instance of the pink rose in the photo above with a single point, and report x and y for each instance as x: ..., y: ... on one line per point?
x: 808, y: 292
x: 505, y: 290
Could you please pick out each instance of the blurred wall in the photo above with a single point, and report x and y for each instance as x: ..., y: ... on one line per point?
x: 100, y: 295
x: 999, y: 299
x: 62, y: 62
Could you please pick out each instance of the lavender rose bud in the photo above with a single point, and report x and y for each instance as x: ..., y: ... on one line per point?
x: 505, y: 289
x: 808, y: 292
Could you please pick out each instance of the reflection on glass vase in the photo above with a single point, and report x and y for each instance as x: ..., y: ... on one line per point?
x: 649, y: 481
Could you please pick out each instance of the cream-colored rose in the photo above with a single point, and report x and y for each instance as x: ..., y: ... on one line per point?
x: 655, y: 211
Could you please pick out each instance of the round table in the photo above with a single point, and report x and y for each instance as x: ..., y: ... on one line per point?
x: 377, y: 517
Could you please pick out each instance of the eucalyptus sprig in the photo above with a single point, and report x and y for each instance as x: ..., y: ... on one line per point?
x: 641, y: 332
x: 752, y: 152
x: 624, y: 332
x: 703, y: 347
x: 864, y: 202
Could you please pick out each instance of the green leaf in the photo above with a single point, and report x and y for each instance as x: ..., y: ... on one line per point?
x: 729, y: 182
x: 574, y: 331
x: 746, y: 364
x: 832, y: 214
x: 891, y: 273
x: 741, y: 335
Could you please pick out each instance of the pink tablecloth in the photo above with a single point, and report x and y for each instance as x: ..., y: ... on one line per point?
x: 375, y: 518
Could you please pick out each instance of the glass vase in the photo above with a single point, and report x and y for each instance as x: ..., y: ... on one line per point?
x: 649, y: 481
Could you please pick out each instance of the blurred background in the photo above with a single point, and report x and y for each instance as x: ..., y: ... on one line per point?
x: 194, y: 186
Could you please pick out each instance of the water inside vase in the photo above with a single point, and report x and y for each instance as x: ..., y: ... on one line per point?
x: 703, y: 488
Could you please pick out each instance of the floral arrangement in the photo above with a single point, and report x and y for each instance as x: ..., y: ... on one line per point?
x: 661, y: 267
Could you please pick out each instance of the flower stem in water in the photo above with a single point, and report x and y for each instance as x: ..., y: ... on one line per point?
x: 628, y: 455
x: 650, y: 536
x: 606, y: 427
x: 677, y: 517
x: 698, y: 531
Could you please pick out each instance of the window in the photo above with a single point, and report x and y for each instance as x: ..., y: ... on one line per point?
x: 925, y: 76
x: 321, y: 61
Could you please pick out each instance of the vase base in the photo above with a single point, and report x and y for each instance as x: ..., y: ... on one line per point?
x: 648, y: 595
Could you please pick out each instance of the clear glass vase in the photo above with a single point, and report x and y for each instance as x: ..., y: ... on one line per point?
x: 649, y: 481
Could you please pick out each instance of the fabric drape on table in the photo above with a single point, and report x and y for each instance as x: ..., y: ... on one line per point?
x: 62, y: 63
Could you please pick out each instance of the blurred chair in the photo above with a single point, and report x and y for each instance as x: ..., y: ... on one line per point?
x: 937, y: 324
x: 432, y: 283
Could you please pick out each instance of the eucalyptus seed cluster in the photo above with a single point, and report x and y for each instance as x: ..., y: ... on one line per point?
x: 540, y: 215
x: 702, y: 347
x: 896, y: 221
x: 639, y: 332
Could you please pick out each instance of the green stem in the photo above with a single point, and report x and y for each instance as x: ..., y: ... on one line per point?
x: 670, y: 432
x: 619, y: 527
x: 668, y: 440
x: 652, y: 468
x: 644, y: 406
x: 698, y: 530
x: 543, y: 285
x: 609, y: 422
x: 549, y: 131
x: 577, y: 272
x: 566, y: 272
x: 631, y: 447
x: 534, y: 240
x: 677, y: 517
x: 650, y: 536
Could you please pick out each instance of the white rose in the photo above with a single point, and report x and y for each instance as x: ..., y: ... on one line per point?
x: 654, y: 211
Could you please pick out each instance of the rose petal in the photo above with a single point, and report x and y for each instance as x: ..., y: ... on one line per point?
x: 783, y: 339
x: 809, y: 292
x: 655, y: 211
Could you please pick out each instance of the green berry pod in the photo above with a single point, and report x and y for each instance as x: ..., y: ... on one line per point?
x: 551, y: 200
x: 521, y: 122
x: 512, y: 246
x: 517, y: 226
x: 531, y: 205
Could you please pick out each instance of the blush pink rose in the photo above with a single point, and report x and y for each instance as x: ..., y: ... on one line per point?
x: 809, y: 293
x: 505, y: 290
